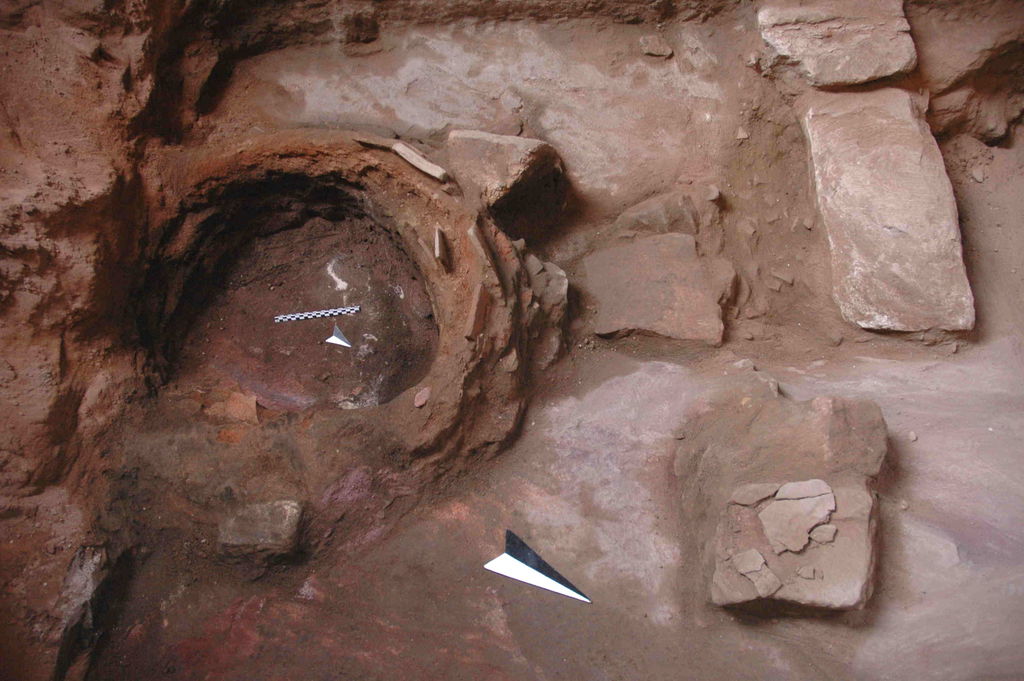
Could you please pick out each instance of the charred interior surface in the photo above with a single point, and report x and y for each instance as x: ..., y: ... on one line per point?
x: 715, y: 304
x: 293, y: 244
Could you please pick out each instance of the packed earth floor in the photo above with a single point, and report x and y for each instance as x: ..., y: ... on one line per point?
x: 717, y: 305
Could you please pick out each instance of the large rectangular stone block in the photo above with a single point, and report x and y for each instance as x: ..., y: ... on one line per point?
x: 888, y: 206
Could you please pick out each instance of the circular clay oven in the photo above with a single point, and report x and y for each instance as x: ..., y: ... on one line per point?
x: 314, y: 248
x: 309, y: 220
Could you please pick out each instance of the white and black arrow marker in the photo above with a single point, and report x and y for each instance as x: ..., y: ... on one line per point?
x: 338, y: 338
x: 522, y: 563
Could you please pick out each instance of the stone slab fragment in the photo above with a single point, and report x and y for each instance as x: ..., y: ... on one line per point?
x: 840, y: 42
x: 888, y: 207
x: 521, y: 180
x: 263, y: 532
x: 666, y: 290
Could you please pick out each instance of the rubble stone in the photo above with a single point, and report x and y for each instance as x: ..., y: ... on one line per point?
x: 840, y: 42
x: 888, y: 206
x: 262, y: 533
x: 668, y: 290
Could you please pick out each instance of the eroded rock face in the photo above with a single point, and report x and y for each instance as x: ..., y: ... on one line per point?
x: 263, y: 533
x: 805, y: 543
x: 888, y: 206
x: 840, y: 42
x: 667, y: 289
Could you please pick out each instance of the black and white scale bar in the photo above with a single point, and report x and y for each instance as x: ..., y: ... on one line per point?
x: 317, y: 314
x: 522, y: 563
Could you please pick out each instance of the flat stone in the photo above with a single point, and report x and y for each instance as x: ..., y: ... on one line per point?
x: 824, y: 534
x: 748, y: 495
x: 787, y: 523
x: 840, y: 42
x: 803, y: 489
x: 263, y: 533
x: 808, y: 572
x: 748, y: 561
x: 888, y: 206
x: 765, y: 581
x: 670, y: 212
x: 421, y: 397
x: 668, y: 290
x: 655, y: 46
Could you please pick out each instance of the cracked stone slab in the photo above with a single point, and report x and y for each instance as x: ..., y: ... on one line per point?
x: 889, y: 211
x: 787, y: 523
x: 840, y: 42
x: 791, y: 481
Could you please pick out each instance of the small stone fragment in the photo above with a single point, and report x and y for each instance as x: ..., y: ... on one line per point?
x: 785, y: 277
x: 742, y: 134
x: 824, y: 534
x: 912, y: 436
x: 534, y: 266
x: 421, y: 397
x: 977, y: 175
x: 263, y: 533
x: 655, y: 46
x: 804, y: 489
x: 765, y: 581
x: 808, y: 572
x: 748, y: 495
x: 748, y: 561
x: 787, y: 523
